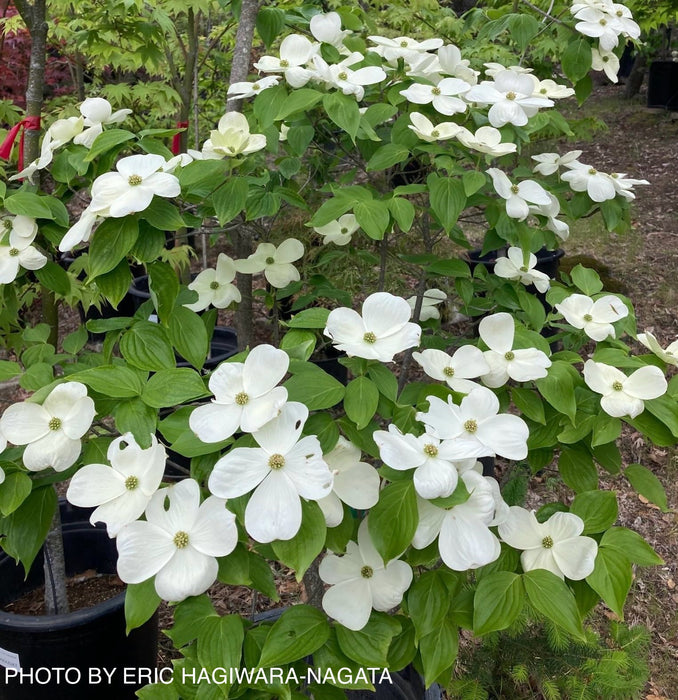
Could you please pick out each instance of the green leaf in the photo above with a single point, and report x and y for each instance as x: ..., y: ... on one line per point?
x: 369, y: 646
x: 523, y: 28
x: 394, y: 519
x: 298, y: 101
x: 576, y: 59
x: 189, y: 617
x: 330, y: 656
x: 110, y: 243
x: 361, y: 400
x: 75, y: 341
x: 428, y: 601
x: 343, y: 111
x: 550, y: 596
x: 202, y: 176
x: 497, y: 602
x: 146, y: 346
x: 373, y: 217
x: 586, y: 279
x: 169, y: 387
x: 439, y: 650
x: 605, y: 429
x: 528, y: 403
x: 26, y: 528
x: 598, y: 510
x: 270, y: 22
x: 114, y: 285
x: 220, y: 643
x: 188, y: 335
x: 611, y: 578
x: 385, y: 381
x: 135, y: 417
x: 665, y: 408
x: 310, y: 318
x: 14, y: 490
x: 9, y: 369
x: 447, y: 199
x: 558, y: 388
x: 54, y: 277
x: 141, y: 602
x: 28, y: 204
x: 299, y: 632
x: 577, y: 469
x: 631, y: 545
x: 402, y: 210
x: 313, y: 386
x: 163, y: 285
x: 106, y: 141
x: 114, y: 381
x: 387, y: 155
x: 472, y: 181
x: 163, y: 215
x: 230, y: 199
x: 299, y: 552
x: 647, y: 485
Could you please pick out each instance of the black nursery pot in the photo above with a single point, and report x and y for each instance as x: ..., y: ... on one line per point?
x: 662, y: 85
x: 63, y: 657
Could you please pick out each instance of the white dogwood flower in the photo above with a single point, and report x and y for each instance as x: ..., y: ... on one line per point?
x: 360, y: 581
x: 246, y: 395
x: 17, y: 228
x: 510, y: 95
x: 381, y: 332
x: 486, y: 139
x: 556, y: 545
x: 214, y: 286
x: 595, y: 318
x: 402, y: 47
x: 356, y: 483
x: 120, y: 492
x: 606, y: 61
x: 339, y: 231
x: 443, y: 96
x: 624, y: 185
x: 132, y: 188
x: 97, y: 112
x: 549, y: 163
x: 81, y: 229
x: 497, y: 332
x: 179, y: 544
x: 343, y: 77
x: 429, y: 304
x: 550, y: 89
x: 465, y: 540
x: 476, y: 427
x: 427, y: 131
x: 295, y: 52
x: 514, y: 267
x: 670, y: 355
x: 275, y: 263
x: 453, y: 64
x: 17, y: 255
x: 243, y: 90
x: 622, y: 395
x: 326, y: 27
x: 51, y: 431
x: 584, y: 178
x: 456, y: 370
x: 551, y: 211
x: 232, y: 138
x: 518, y: 196
x: 284, y: 469
x: 435, y: 476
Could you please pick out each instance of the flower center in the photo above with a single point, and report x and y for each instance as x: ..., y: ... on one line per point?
x: 276, y: 461
x: 131, y: 482
x: 547, y: 542
x: 370, y: 338
x: 181, y: 540
x: 134, y: 180
x: 284, y: 63
x: 523, y: 268
x: 403, y: 44
x: 270, y: 260
x: 448, y: 371
x: 241, y: 398
x: 343, y: 75
x: 620, y: 13
x: 605, y: 59
x: 367, y: 572
x: 617, y: 386
x: 54, y: 423
x: 435, y: 90
x: 543, y: 91
x: 510, y: 355
x: 593, y: 171
x: 470, y: 426
x: 511, y: 95
x: 602, y: 21
x: 435, y: 133
x: 256, y: 86
x: 343, y: 230
x: 515, y: 189
x: 14, y: 252
x: 7, y: 225
x: 430, y: 450
x: 214, y: 285
x: 588, y: 318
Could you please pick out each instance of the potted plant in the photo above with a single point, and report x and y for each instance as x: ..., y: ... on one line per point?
x: 370, y: 491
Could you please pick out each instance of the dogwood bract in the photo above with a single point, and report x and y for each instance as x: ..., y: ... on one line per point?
x: 232, y: 138
x: 178, y: 544
x: 517, y: 196
x: 429, y: 303
x: 97, y: 112
x: 381, y: 332
x: 456, y: 370
x: 123, y: 490
x: 245, y: 395
x: 51, y: 431
x: 339, y: 231
x: 17, y: 255
x: 283, y: 469
x: 595, y: 318
x: 214, y: 286
x: 476, y: 427
x: 514, y: 267
x: 497, y: 332
x: 556, y: 545
x: 360, y: 581
x: 622, y: 395
x: 275, y: 263
x: 356, y: 483
x: 465, y: 540
x: 670, y: 355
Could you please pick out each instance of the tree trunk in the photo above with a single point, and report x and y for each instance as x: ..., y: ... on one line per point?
x: 240, y: 67
x: 636, y: 77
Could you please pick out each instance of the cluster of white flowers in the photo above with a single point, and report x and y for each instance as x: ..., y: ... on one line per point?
x: 606, y: 21
x: 17, y: 234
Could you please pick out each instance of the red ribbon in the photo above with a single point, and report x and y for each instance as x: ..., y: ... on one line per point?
x: 176, y: 139
x: 30, y: 123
